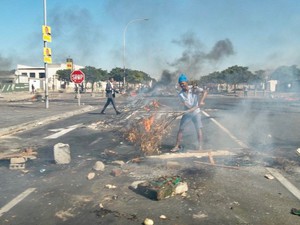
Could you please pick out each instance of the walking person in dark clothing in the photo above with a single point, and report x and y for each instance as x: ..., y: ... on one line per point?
x: 110, y: 94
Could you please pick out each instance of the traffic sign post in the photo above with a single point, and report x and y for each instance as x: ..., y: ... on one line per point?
x: 77, y: 76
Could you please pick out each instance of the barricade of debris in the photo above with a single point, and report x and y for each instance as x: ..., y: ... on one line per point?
x: 143, y: 124
x: 17, y: 160
x: 147, y: 132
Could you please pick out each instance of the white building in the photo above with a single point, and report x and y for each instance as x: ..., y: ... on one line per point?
x: 36, y: 75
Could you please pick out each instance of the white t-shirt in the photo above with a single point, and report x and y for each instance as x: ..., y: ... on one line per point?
x: 190, y: 99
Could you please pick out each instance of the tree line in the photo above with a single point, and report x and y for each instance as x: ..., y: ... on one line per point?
x: 94, y: 75
x: 286, y: 75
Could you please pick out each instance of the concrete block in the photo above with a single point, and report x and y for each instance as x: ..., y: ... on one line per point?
x: 62, y: 154
x: 17, y: 160
x: 17, y: 166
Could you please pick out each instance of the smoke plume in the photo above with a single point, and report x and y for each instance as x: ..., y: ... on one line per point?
x: 195, y: 58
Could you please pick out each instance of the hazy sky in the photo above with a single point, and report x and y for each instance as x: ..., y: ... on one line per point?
x: 192, y: 36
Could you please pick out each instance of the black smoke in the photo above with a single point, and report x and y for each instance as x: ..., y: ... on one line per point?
x: 195, y: 57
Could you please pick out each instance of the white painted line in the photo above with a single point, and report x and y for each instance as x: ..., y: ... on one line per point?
x: 15, y: 201
x: 242, y: 144
x: 62, y: 131
x: 288, y: 185
x: 96, y: 141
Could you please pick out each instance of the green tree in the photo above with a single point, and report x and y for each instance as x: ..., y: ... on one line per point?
x: 63, y: 75
x: 93, y: 75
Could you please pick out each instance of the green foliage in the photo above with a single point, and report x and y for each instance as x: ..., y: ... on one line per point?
x: 63, y: 75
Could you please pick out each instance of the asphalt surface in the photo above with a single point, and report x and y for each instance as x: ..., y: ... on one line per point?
x: 17, y: 109
x: 217, y: 195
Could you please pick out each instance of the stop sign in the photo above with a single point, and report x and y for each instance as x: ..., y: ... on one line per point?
x: 77, y: 76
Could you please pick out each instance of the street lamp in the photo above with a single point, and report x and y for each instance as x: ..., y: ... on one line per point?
x: 124, y: 42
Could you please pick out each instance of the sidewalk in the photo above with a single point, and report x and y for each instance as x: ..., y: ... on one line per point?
x: 21, y: 111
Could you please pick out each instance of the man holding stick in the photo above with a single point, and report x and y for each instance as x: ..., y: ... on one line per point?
x: 191, y: 98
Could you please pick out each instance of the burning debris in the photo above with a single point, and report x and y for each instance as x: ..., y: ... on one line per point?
x: 147, y: 132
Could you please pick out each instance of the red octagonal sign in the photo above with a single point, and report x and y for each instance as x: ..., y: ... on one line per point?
x: 77, y: 76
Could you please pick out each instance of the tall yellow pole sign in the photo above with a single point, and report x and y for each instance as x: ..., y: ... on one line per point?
x: 47, y: 38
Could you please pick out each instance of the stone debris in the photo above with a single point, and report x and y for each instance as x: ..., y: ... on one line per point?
x: 148, y: 221
x: 269, y: 176
x: 91, y: 176
x: 62, y: 154
x: 163, y: 217
x: 181, y: 188
x: 17, y: 166
x: 99, y: 166
x: 110, y: 186
x: 17, y: 160
x: 116, y: 172
x: 118, y: 162
x: 135, y: 184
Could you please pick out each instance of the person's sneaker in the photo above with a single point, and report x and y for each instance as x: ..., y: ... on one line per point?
x: 102, y: 112
x: 177, y: 149
x: 118, y: 113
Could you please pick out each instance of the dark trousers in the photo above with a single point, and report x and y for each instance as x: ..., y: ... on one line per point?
x: 112, y: 101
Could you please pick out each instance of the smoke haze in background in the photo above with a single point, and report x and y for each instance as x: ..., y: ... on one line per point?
x: 195, y: 59
x: 198, y: 37
x: 5, y: 63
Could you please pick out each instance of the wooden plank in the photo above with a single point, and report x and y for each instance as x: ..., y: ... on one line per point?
x: 197, y: 154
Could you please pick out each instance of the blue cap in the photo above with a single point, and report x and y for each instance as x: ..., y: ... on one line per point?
x: 182, y: 78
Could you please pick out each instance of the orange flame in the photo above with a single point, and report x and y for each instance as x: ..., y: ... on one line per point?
x: 147, y: 122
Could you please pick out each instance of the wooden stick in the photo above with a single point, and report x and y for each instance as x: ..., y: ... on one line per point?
x: 217, y: 165
x: 190, y: 154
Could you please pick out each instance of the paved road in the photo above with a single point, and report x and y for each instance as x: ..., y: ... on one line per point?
x: 217, y: 194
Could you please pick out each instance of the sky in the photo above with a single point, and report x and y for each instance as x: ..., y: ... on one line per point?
x: 196, y: 37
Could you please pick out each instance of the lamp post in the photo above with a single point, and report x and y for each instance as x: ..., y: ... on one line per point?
x: 124, y: 44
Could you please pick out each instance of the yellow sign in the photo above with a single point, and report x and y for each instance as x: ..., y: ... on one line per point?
x: 47, y: 52
x: 69, y: 65
x: 46, y: 33
x: 47, y: 59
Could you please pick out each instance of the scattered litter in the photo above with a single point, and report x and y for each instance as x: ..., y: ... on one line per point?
x: 42, y: 170
x: 101, y: 205
x: 110, y: 152
x: 110, y: 186
x: 269, y: 176
x: 148, y: 221
x: 295, y: 211
x: 160, y: 188
x: 91, y: 176
x: 298, y: 151
x: 181, y: 188
x: 163, y: 217
x: 99, y: 166
x: 135, y: 184
x: 118, y: 162
x: 200, y: 215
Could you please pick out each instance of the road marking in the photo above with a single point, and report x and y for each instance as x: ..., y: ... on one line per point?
x: 96, y: 141
x: 242, y: 144
x: 288, y: 185
x: 16, y: 200
x: 62, y: 131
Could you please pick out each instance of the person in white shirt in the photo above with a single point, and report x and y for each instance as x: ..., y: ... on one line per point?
x: 110, y: 94
x: 191, y: 98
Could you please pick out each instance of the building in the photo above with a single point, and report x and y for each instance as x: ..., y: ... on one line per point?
x: 36, y: 76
